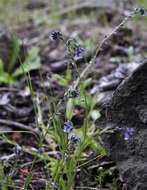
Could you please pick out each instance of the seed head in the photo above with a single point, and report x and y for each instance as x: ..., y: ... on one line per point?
x: 142, y: 11
x: 72, y: 148
x: 55, y: 35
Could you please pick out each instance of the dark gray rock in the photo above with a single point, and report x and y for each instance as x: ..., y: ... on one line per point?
x: 112, y: 80
x: 124, y: 124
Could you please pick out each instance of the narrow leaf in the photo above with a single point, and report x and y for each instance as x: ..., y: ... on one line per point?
x: 69, y: 109
x: 14, y: 53
x: 27, y: 181
x: 32, y: 62
x: 61, y: 79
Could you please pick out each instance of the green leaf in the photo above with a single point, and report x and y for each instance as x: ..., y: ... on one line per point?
x: 4, y: 187
x: 101, y: 150
x: 85, y: 129
x: 93, y: 144
x: 97, y: 132
x: 10, y: 181
x: 7, y: 79
x: 68, y: 75
x: 95, y: 114
x: 62, y: 183
x: 130, y: 51
x: 4, y: 78
x: 69, y: 109
x: 55, y: 136
x: 9, y: 141
x: 32, y: 62
x: 27, y: 181
x: 61, y: 79
x: 86, y: 83
x: 2, y: 174
x: 1, y: 66
x: 86, y: 100
x: 14, y: 53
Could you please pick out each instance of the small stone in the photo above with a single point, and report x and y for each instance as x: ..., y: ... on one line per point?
x: 36, y: 4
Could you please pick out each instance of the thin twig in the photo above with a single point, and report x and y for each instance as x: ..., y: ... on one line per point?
x: 18, y: 125
x: 90, y: 188
x: 9, y: 89
x: 6, y: 158
x: 85, y: 163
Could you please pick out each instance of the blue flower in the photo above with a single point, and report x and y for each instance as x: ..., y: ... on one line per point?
x: 142, y: 11
x: 55, y: 35
x: 68, y: 126
x: 78, y: 56
x: 73, y: 142
x: 17, y: 149
x: 65, y: 156
x: 62, y: 155
x: 59, y: 155
x: 74, y: 139
x: 41, y: 151
x: 72, y: 93
x: 78, y: 53
x: 80, y: 49
x: 129, y: 133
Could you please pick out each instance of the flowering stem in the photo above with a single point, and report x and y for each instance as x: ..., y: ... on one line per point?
x: 99, y: 46
x: 76, y: 69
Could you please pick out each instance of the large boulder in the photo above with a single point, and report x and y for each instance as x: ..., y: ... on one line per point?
x: 124, y: 125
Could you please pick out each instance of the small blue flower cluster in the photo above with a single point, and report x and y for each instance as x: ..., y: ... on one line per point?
x: 55, y: 35
x: 62, y: 156
x: 73, y: 143
x: 68, y: 126
x: 41, y: 151
x: 78, y: 53
x: 17, y: 149
x: 74, y: 139
x: 142, y: 11
x: 72, y: 93
x: 129, y: 133
x: 74, y: 50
